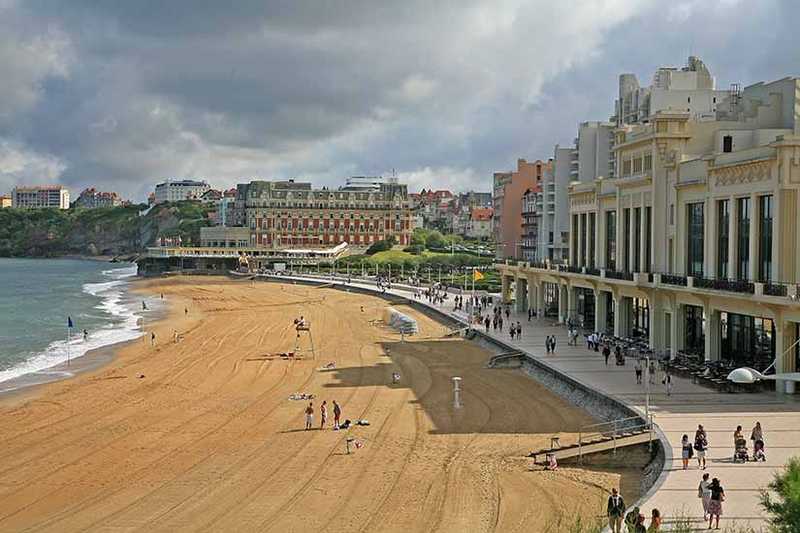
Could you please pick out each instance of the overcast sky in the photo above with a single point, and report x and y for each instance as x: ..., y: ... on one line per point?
x: 120, y: 95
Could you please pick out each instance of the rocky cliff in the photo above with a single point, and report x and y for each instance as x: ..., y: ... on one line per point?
x: 109, y: 231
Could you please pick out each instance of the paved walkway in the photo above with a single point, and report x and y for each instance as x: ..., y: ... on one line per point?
x: 675, y: 493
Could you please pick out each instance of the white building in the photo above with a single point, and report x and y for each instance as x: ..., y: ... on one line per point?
x: 180, y: 190
x: 693, y: 245
x: 480, y: 223
x: 40, y: 197
x: 690, y: 89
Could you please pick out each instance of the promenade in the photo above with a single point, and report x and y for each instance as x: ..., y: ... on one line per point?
x: 675, y: 492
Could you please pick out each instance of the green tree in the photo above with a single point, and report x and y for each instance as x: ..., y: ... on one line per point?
x: 379, y: 246
x: 419, y: 236
x: 434, y: 240
x: 784, y: 505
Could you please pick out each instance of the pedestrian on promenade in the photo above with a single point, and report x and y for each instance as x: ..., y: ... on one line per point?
x: 715, y: 503
x: 638, y: 370
x: 655, y: 522
x: 686, y: 451
x: 500, y: 323
x: 508, y: 313
x: 519, y: 330
x: 530, y: 314
x: 606, y: 353
x: 704, y: 493
x: 652, y: 371
x: 700, y: 446
x: 323, y: 414
x: 615, y: 511
x: 337, y: 414
x: 309, y: 415
x: 553, y: 344
x: 631, y: 519
x: 667, y: 381
x: 511, y: 331
x: 547, y: 344
x: 757, y: 434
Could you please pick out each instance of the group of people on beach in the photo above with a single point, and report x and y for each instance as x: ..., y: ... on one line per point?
x: 323, y: 415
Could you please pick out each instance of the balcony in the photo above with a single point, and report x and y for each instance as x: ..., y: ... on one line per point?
x: 616, y: 274
x: 776, y: 289
x: 742, y: 286
x: 671, y: 279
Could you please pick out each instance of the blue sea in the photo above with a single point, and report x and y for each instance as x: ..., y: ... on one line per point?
x: 38, y: 295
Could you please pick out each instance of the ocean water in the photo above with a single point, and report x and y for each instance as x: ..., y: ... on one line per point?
x: 37, y: 296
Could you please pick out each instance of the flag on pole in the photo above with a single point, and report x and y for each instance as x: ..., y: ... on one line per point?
x: 69, y: 322
x: 477, y: 275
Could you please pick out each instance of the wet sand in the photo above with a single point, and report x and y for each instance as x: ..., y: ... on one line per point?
x: 207, y: 438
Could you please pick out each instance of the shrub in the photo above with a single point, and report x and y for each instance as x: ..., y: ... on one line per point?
x: 414, y: 249
x: 379, y: 246
x: 784, y: 505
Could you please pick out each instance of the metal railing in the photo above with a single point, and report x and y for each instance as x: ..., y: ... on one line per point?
x: 616, y: 274
x: 776, y: 289
x: 672, y: 279
x: 614, y: 430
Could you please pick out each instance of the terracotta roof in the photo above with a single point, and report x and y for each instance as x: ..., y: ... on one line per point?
x: 482, y: 213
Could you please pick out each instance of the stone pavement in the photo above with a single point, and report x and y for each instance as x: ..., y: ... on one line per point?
x: 675, y: 492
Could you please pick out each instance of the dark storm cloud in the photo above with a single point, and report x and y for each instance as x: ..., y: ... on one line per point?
x: 121, y: 94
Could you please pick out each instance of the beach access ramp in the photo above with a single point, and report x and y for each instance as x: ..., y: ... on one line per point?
x: 597, y: 438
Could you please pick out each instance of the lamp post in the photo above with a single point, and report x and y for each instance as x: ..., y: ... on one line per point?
x: 750, y: 375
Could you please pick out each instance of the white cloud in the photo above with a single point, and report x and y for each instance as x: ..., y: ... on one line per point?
x: 19, y: 165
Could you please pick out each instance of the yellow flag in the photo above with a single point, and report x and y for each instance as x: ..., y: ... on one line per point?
x: 477, y: 275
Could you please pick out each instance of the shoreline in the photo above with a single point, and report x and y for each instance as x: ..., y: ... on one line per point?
x: 32, y: 384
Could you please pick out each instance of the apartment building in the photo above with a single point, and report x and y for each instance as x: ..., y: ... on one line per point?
x: 693, y: 244
x: 179, y: 190
x: 507, y: 192
x: 5, y: 201
x: 40, y: 197
x: 291, y: 213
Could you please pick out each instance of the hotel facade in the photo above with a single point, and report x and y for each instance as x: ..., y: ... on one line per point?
x: 693, y: 244
x: 293, y: 214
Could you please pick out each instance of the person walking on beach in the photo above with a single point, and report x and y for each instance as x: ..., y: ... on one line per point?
x: 715, y: 503
x: 337, y: 413
x: 85, y: 335
x: 186, y: 311
x: 152, y: 338
x: 309, y: 415
x: 615, y: 511
x: 704, y: 493
x: 323, y: 414
x: 700, y: 446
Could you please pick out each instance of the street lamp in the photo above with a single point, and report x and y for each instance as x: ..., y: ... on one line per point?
x: 748, y: 375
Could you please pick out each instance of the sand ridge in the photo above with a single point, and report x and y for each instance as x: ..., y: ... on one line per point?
x: 208, y: 440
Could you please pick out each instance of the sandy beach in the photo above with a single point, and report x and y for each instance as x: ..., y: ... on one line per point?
x: 201, y: 434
